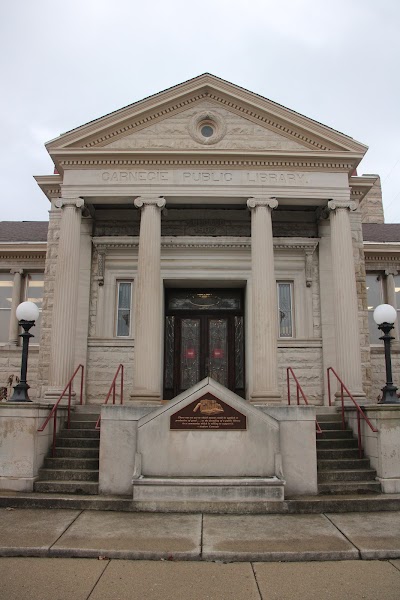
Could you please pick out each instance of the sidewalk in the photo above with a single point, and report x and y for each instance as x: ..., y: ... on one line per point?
x: 196, y: 557
x: 90, y: 579
x: 194, y: 537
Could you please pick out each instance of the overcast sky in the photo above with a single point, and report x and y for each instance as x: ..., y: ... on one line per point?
x: 65, y: 63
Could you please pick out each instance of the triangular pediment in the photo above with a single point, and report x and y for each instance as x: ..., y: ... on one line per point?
x: 167, y: 122
x: 178, y: 132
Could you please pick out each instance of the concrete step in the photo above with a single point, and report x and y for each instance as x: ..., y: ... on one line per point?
x: 67, y: 487
x: 349, y: 487
x: 336, y: 444
x: 68, y: 452
x: 82, y: 424
x: 71, y: 463
x: 326, y: 425
x: 80, y: 433
x: 336, y: 454
x: 87, y: 409
x: 337, y: 434
x: 84, y: 416
x: 344, y: 503
x: 75, y: 442
x: 68, y: 475
x: 329, y: 417
x: 343, y: 464
x: 346, y: 475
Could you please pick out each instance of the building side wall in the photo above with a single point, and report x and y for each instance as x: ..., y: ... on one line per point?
x: 48, y: 298
x: 372, y: 206
x: 359, y: 265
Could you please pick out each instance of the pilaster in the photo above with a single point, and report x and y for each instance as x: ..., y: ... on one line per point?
x: 391, y: 295
x: 147, y: 368
x: 264, y: 363
x: 16, y: 299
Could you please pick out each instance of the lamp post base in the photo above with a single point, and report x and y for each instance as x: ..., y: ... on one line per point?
x: 20, y: 393
x: 389, y: 395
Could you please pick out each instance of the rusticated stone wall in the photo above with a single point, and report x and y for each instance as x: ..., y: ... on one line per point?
x: 359, y: 265
x: 306, y: 362
x: 371, y: 205
x: 103, y: 361
x: 48, y: 298
x: 378, y: 372
x: 10, y: 365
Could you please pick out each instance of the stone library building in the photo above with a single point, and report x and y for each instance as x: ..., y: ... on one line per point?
x: 219, y: 258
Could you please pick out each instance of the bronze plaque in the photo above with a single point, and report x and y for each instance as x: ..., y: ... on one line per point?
x: 209, y: 413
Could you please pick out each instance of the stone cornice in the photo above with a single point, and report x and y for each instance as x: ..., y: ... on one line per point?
x: 106, y: 243
x: 220, y: 92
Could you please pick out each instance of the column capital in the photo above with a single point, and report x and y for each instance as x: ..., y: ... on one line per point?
x: 69, y: 203
x: 156, y: 201
x: 391, y: 271
x: 339, y: 204
x: 17, y: 270
x: 262, y: 201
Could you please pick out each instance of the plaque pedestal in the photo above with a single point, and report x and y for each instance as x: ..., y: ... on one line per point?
x: 208, y: 494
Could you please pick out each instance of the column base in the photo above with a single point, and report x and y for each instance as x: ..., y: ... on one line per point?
x: 359, y: 397
x: 145, y: 397
x: 266, y: 398
x: 53, y: 394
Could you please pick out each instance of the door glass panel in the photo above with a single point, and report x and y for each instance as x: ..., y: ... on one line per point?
x: 190, y: 353
x: 218, y: 350
x: 205, y: 300
x: 239, y: 353
x: 169, y: 351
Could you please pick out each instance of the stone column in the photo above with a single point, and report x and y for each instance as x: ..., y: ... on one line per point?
x: 345, y: 296
x: 62, y: 350
x: 391, y: 296
x: 16, y: 299
x: 147, y: 379
x: 264, y: 361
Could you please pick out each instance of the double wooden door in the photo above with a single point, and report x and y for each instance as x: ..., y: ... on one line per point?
x: 204, y: 337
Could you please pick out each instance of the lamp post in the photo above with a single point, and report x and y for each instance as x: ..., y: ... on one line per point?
x: 385, y: 316
x: 27, y: 313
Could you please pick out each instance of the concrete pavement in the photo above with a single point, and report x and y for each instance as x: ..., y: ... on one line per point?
x: 197, y: 537
x: 60, y: 554
x: 93, y: 579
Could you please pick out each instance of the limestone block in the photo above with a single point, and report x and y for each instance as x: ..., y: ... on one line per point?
x: 22, y: 447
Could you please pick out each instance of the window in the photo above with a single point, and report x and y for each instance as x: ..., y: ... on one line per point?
x: 34, y: 284
x: 124, y: 295
x: 6, y: 286
x: 374, y: 298
x: 285, y: 309
x: 397, y: 296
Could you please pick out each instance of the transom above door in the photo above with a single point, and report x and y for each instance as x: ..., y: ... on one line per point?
x: 204, y: 337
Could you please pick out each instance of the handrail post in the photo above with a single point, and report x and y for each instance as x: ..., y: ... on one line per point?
x: 342, y: 398
x: 82, y: 370
x: 53, y: 451
x: 328, y: 373
x: 298, y: 394
x: 359, y: 435
x: 288, y: 384
x: 69, y: 404
x: 122, y: 385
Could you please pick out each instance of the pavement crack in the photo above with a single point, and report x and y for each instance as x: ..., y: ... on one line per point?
x: 65, y: 531
x: 98, y: 579
x: 344, y: 535
x: 255, y: 579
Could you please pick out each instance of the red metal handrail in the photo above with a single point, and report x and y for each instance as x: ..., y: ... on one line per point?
x: 53, y: 412
x: 112, y: 389
x: 360, y: 412
x: 299, y: 390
